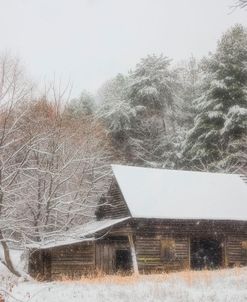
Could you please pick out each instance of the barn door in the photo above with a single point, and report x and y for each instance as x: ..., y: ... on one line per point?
x: 123, y: 261
x: 104, y: 258
x: 206, y: 253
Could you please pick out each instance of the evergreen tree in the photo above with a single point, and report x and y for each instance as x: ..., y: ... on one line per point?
x: 152, y: 85
x: 114, y: 107
x: 221, y: 121
x: 139, y: 111
x: 84, y: 105
x: 151, y: 92
x: 190, y: 75
x: 116, y: 112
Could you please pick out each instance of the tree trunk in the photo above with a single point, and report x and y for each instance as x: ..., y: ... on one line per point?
x: 8, y: 262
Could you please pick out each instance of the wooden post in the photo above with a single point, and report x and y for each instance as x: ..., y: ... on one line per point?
x: 225, y: 260
x: 189, y: 253
x: 133, y: 254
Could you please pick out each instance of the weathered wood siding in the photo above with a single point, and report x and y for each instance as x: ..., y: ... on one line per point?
x: 36, y: 264
x: 73, y: 261
x: 235, y: 254
x: 148, y: 237
x: 149, y: 259
x: 149, y: 233
x: 106, y: 254
x: 112, y: 205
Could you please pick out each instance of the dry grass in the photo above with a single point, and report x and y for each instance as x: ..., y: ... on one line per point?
x: 189, y: 277
x: 188, y: 286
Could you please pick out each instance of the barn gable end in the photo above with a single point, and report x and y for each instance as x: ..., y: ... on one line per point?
x: 112, y: 205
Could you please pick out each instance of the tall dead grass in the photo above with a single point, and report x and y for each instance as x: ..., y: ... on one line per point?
x: 189, y: 277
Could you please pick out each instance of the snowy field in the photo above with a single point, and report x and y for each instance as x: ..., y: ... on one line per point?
x: 225, y: 285
x: 228, y: 285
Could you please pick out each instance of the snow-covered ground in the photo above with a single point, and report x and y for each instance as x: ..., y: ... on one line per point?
x: 7, y: 280
x: 225, y: 285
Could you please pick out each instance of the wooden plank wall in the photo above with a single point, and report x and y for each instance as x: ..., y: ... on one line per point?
x: 88, y: 258
x: 72, y: 261
x: 104, y: 258
x: 112, y: 205
x: 149, y: 260
x: 35, y: 264
x: 148, y: 236
x: 106, y: 254
x: 236, y: 256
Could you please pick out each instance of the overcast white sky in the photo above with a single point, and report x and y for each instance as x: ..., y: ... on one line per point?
x: 89, y: 41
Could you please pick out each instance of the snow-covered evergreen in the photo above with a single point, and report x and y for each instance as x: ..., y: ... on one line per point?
x: 221, y: 119
x: 139, y: 111
x: 84, y: 105
x: 152, y: 85
x: 190, y: 75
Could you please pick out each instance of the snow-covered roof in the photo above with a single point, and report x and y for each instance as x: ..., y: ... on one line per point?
x: 171, y: 194
x: 85, y: 232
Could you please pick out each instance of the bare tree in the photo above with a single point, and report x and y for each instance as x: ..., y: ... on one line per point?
x: 67, y: 170
x: 14, y: 89
x: 53, y: 166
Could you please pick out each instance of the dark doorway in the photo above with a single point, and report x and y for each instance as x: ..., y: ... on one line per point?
x: 206, y: 254
x: 123, y: 260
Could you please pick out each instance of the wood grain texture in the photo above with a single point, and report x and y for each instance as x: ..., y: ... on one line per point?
x: 112, y: 205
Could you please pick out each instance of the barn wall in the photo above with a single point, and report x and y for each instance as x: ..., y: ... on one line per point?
x: 73, y: 261
x: 150, y: 233
x: 100, y: 256
x: 36, y: 264
x: 149, y: 259
x: 112, y: 205
x: 106, y: 253
x: 236, y: 253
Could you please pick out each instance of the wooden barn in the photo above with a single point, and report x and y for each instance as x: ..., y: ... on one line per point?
x: 154, y: 220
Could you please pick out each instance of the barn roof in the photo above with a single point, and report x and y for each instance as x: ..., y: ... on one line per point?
x: 85, y: 232
x: 171, y: 194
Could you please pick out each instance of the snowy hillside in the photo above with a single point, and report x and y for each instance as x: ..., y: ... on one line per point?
x: 224, y: 285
